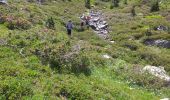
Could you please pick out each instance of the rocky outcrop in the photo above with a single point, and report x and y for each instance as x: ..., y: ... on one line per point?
x: 97, y: 23
x: 159, y: 43
x: 2, y: 2
x: 158, y: 72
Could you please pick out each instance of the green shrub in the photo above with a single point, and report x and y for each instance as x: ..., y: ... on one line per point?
x: 50, y: 23
x: 88, y: 4
x: 155, y: 6
x: 115, y: 3
x: 63, y: 59
x: 18, y: 23
x: 138, y: 35
x: 15, y: 89
x: 133, y: 11
x: 145, y: 80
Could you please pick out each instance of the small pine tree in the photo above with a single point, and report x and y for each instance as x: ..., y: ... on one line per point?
x: 125, y: 2
x: 133, y: 12
x: 50, y: 23
x: 169, y: 30
x: 155, y: 6
x: 148, y: 32
x: 87, y: 4
x: 114, y: 3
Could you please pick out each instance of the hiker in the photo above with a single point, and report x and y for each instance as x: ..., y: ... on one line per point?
x: 82, y: 25
x: 87, y: 19
x: 69, y: 27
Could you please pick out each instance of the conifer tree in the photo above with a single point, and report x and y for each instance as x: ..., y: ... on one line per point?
x: 87, y: 4
x: 114, y: 3
x: 133, y: 12
x: 50, y: 23
x: 155, y: 6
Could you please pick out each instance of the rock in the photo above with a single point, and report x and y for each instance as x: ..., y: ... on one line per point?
x: 162, y: 28
x: 2, y: 2
x: 163, y: 43
x: 159, y: 43
x: 97, y: 23
x: 107, y: 56
x: 112, y: 41
x: 101, y: 26
x: 95, y: 19
x: 158, y: 72
x: 165, y: 99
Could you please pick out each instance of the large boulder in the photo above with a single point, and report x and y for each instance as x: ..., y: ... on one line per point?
x: 163, y: 43
x: 158, y: 72
x: 159, y: 43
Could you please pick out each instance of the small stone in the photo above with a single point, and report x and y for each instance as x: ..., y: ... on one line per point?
x: 106, y: 56
x: 161, y: 28
x: 112, y: 41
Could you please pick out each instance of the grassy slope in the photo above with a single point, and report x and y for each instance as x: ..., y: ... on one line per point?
x: 26, y: 77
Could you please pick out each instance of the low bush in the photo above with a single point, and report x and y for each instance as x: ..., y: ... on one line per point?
x: 15, y: 89
x: 63, y: 59
x: 15, y: 23
x: 18, y: 24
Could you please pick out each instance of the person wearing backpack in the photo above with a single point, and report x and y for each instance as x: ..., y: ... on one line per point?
x: 69, y: 27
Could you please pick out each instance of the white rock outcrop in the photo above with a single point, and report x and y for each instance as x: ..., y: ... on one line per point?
x: 97, y: 23
x: 158, y: 72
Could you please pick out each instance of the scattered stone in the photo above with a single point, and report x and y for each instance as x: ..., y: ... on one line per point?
x: 107, y: 56
x: 112, y: 41
x: 158, y: 72
x: 21, y: 52
x: 159, y: 43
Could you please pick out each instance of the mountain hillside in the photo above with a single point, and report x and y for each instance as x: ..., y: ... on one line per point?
x: 122, y: 54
